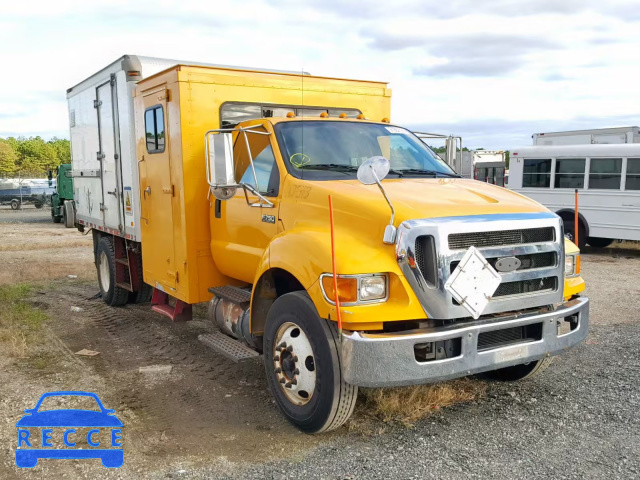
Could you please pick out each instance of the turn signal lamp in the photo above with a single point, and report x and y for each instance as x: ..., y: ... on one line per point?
x: 347, y: 289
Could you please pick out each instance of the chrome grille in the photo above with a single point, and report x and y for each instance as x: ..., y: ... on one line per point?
x: 527, y: 262
x: 522, y: 287
x: 496, y: 239
x: 429, y: 249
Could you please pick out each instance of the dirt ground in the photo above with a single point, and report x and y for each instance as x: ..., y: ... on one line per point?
x: 208, y: 417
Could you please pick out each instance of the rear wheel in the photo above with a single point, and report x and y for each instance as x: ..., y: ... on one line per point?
x: 39, y: 205
x: 302, y: 365
x: 106, y: 265
x: 599, y: 242
x: 520, y: 372
x: 15, y: 204
x: 146, y: 291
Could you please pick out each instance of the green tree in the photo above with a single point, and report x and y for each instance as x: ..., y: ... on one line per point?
x: 507, y: 156
x: 8, y: 158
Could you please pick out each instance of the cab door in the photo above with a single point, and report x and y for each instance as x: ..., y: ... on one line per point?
x: 156, y: 195
x: 240, y: 232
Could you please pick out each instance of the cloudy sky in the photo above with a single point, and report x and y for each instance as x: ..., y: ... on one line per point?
x: 492, y: 71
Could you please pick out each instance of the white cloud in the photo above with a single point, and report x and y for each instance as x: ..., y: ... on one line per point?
x: 489, y: 70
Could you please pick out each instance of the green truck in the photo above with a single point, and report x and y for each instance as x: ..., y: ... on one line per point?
x: 63, y: 208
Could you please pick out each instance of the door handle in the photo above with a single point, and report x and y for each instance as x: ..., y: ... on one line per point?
x: 147, y: 190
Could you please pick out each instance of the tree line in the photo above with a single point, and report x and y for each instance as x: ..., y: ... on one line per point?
x: 33, y: 156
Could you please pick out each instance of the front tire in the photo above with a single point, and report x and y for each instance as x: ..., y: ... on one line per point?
x: 302, y: 365
x: 15, y: 204
x: 106, y: 264
x: 69, y: 214
x: 520, y: 372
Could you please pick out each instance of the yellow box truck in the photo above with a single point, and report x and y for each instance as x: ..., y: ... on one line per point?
x: 222, y: 178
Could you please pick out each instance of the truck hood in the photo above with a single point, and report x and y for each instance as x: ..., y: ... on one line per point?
x: 428, y: 198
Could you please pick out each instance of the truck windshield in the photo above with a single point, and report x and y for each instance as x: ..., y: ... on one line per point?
x: 326, y: 150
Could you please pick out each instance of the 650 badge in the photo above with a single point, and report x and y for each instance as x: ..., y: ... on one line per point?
x: 103, y: 438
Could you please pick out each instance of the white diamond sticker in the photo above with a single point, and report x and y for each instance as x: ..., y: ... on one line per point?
x: 473, y: 282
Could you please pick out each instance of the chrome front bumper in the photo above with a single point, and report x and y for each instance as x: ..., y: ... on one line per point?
x: 388, y: 359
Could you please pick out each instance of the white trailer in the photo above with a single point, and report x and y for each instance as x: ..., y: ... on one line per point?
x: 489, y: 166
x: 588, y: 137
x: 607, y: 178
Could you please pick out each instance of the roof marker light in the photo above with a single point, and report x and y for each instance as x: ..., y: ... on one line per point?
x: 290, y: 115
x: 386, y: 120
x: 324, y: 115
x: 343, y: 115
x: 361, y: 117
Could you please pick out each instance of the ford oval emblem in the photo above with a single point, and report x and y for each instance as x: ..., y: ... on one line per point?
x: 508, y: 264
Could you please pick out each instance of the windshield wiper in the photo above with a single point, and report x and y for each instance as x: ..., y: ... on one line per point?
x: 330, y: 166
x: 419, y: 171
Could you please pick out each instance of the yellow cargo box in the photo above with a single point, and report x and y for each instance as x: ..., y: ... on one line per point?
x: 174, y: 109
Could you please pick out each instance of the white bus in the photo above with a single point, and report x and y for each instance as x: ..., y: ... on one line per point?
x: 607, y: 178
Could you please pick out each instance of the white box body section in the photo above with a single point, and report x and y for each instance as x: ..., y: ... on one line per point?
x: 589, y: 137
x: 103, y: 146
x: 609, y: 212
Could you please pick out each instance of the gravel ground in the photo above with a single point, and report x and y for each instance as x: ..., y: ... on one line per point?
x: 213, y: 419
x: 27, y: 214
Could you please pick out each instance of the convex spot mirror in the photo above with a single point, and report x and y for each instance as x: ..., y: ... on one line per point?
x: 220, y: 167
x: 373, y: 169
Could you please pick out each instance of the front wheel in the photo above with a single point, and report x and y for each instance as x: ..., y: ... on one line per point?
x: 302, y: 365
x: 15, y: 204
x: 68, y: 214
x: 520, y: 372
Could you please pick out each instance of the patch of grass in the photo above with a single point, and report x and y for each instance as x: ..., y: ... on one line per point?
x: 407, y: 405
x: 20, y: 322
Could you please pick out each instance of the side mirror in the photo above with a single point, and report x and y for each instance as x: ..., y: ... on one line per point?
x: 50, y: 177
x: 373, y: 169
x: 220, y: 167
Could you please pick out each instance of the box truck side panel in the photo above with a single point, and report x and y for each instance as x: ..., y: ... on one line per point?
x: 109, y: 158
x: 84, y: 149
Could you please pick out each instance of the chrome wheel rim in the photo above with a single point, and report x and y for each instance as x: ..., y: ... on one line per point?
x: 105, y: 274
x: 294, y: 363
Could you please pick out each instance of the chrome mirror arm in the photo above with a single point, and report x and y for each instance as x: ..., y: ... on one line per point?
x: 267, y: 203
x: 390, y: 230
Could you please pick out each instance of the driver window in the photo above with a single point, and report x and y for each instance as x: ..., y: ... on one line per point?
x: 263, y: 160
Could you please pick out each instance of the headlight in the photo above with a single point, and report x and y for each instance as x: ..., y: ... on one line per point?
x: 373, y: 287
x: 355, y: 289
x: 572, y: 265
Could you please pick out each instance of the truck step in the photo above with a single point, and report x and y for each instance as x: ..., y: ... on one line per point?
x: 122, y: 261
x: 227, y: 346
x: 233, y: 294
x: 126, y: 286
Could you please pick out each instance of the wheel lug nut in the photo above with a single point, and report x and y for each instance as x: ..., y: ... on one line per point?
x: 296, y: 371
x: 278, y: 370
x: 294, y: 382
x: 294, y: 358
x: 282, y: 380
x: 287, y: 385
x: 276, y: 357
x: 283, y: 345
x: 290, y: 348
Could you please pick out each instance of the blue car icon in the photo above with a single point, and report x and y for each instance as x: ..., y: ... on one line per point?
x: 99, y: 422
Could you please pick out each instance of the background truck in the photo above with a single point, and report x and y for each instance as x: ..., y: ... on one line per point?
x: 20, y: 191
x: 211, y: 184
x: 62, y: 205
x: 588, y: 137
